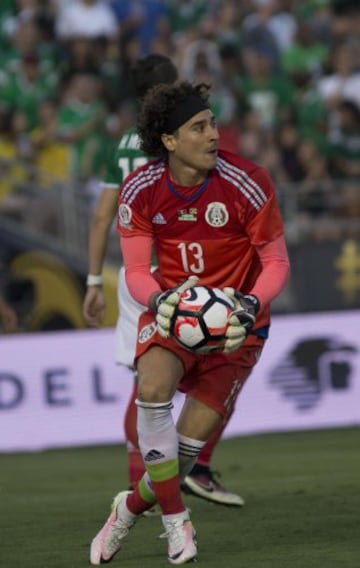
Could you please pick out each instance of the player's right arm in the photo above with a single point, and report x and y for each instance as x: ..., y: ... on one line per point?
x: 103, y: 217
x: 144, y: 288
x: 136, y: 243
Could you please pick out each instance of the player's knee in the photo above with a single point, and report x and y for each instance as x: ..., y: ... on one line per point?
x: 148, y: 392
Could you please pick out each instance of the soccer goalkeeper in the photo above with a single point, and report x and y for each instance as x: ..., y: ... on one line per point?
x: 245, y: 255
x: 201, y: 481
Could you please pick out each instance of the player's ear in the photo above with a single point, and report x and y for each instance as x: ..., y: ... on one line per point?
x: 169, y: 141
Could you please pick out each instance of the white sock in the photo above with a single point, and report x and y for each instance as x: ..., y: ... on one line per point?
x: 158, y: 439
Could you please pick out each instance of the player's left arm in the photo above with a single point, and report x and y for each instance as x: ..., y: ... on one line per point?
x: 266, y: 235
x: 275, y: 270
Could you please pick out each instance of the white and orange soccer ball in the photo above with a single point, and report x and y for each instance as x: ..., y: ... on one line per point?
x: 200, y: 320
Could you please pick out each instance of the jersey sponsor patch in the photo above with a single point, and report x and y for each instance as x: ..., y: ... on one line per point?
x: 147, y: 332
x: 187, y: 214
x: 216, y: 214
x: 125, y: 215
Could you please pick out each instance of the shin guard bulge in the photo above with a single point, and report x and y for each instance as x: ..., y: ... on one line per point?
x: 158, y: 442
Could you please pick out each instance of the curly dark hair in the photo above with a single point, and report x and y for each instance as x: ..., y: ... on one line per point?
x: 157, y: 106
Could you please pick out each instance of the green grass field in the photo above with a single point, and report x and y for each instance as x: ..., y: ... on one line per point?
x: 302, y: 509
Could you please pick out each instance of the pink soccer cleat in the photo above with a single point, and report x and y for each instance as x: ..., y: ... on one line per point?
x: 181, y: 538
x: 109, y: 539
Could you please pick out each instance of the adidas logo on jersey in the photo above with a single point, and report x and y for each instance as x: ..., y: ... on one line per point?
x: 158, y: 219
x: 153, y: 455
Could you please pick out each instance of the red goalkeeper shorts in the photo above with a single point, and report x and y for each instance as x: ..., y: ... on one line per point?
x: 215, y: 379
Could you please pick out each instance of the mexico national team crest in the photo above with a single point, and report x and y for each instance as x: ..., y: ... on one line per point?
x: 125, y: 215
x: 216, y: 214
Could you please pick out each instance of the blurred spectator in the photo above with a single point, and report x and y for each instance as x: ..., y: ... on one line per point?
x: 186, y: 14
x: 200, y: 55
x: 13, y: 12
x: 27, y: 37
x: 128, y: 16
x: 282, y: 22
x: 226, y: 22
x: 311, y: 115
x: 79, y: 56
x: 344, y: 140
x: 345, y: 23
x: 85, y: 18
x: 52, y: 156
x: 343, y: 81
x: 285, y: 76
x: 6, y: 10
x: 314, y: 166
x: 303, y: 64
x: 223, y: 102
x: 316, y: 194
x: 319, y: 15
x: 25, y: 89
x: 348, y: 210
x: 288, y: 142
x: 266, y: 91
x: 16, y: 161
x: 154, y: 23
x: 81, y: 123
x: 251, y: 138
x: 11, y: 171
x: 306, y: 54
x: 232, y: 71
x: 256, y: 31
x: 123, y: 118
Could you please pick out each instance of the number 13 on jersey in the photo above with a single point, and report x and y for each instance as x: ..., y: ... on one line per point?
x: 192, y: 257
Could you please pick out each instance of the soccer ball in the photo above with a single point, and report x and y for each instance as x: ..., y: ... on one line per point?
x: 200, y: 320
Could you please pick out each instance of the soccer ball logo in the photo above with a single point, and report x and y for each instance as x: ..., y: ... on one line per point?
x: 200, y: 320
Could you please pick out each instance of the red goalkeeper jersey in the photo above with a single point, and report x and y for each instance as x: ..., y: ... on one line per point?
x: 210, y: 230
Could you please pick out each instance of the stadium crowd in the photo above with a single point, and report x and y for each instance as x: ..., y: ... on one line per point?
x: 285, y: 76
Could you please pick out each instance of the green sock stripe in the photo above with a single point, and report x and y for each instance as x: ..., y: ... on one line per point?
x: 163, y: 471
x: 145, y: 492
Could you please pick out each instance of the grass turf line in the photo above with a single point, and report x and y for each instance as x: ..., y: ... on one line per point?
x: 302, y: 493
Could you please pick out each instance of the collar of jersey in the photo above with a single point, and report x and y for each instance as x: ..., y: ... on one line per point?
x: 194, y: 196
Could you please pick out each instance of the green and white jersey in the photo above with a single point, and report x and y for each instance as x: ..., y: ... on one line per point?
x: 123, y: 160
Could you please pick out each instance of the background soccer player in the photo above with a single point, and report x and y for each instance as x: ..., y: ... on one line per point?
x: 147, y: 72
x: 244, y: 253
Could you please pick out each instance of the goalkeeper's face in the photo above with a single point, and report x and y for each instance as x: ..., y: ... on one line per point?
x: 195, y: 144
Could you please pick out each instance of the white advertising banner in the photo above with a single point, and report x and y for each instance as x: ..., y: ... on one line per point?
x: 61, y: 389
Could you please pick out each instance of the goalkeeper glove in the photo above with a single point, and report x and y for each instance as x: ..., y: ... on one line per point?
x: 241, y: 319
x: 164, y: 305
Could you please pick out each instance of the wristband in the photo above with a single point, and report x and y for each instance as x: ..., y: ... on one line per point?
x: 254, y: 301
x: 153, y: 302
x: 94, y: 280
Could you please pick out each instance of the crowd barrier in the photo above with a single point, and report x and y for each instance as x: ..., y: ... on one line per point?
x: 62, y: 389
